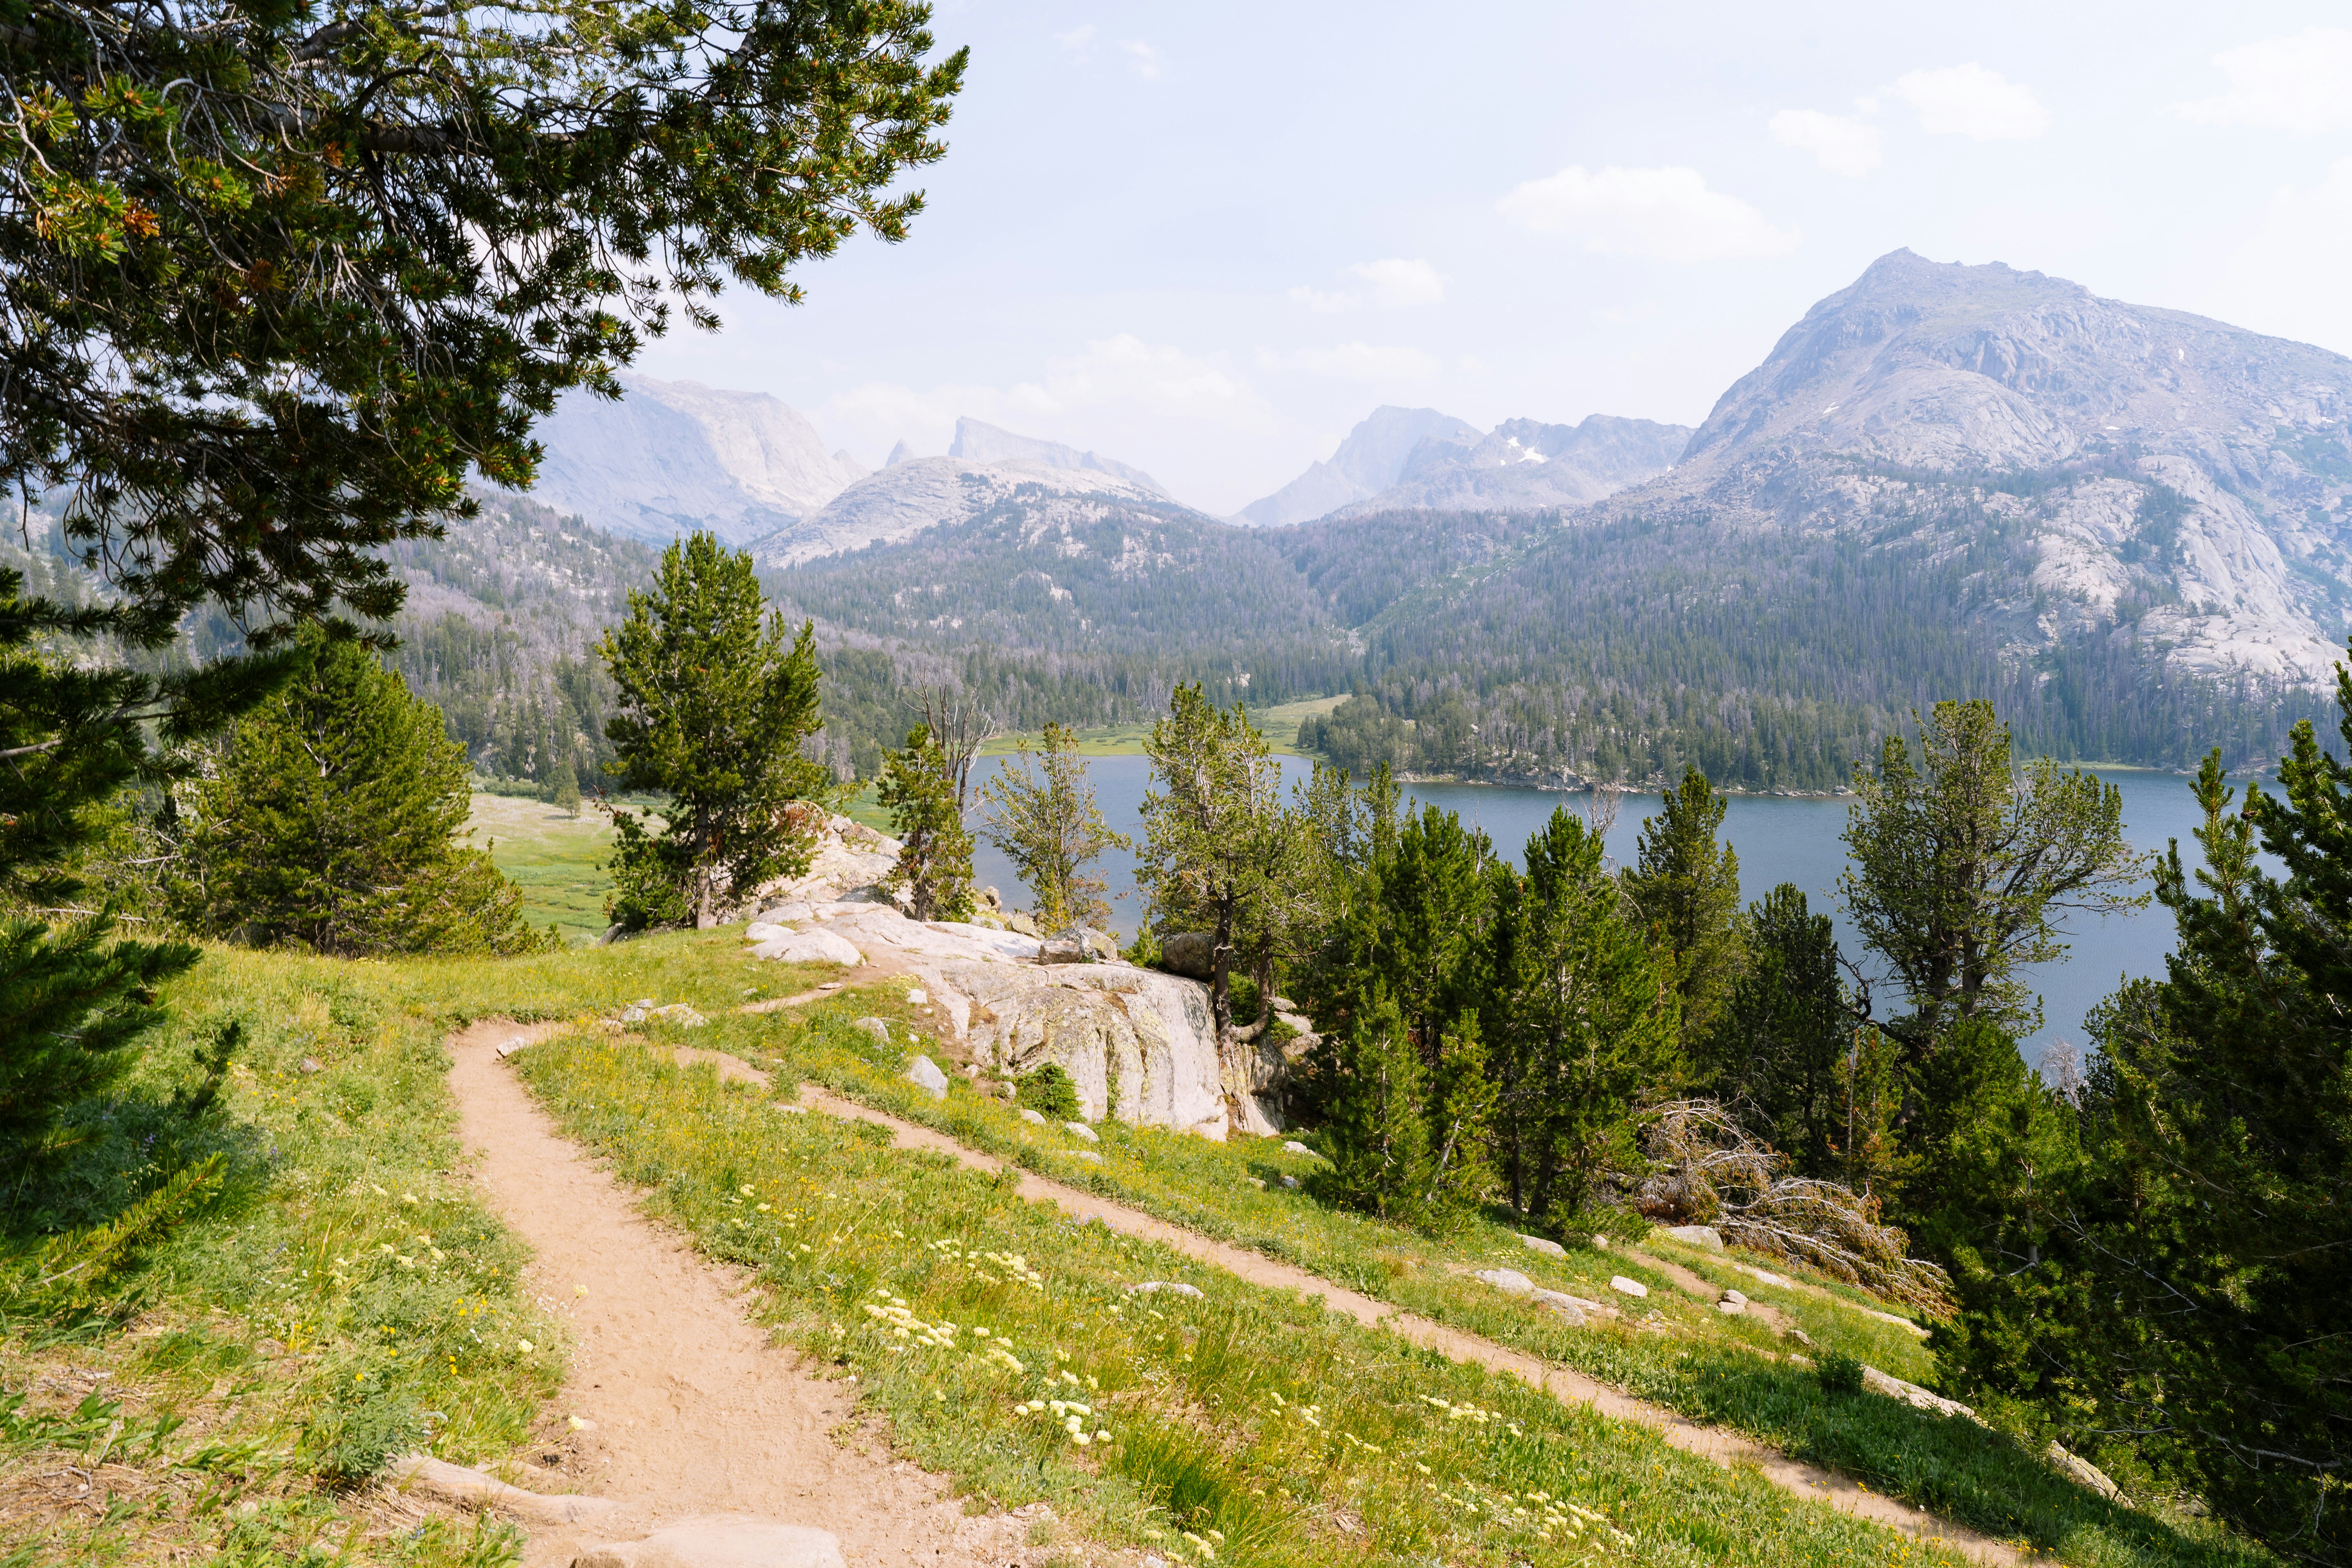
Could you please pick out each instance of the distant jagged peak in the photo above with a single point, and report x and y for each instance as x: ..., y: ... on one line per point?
x: 918, y: 494
x: 979, y: 442
x: 901, y: 453
x: 1372, y: 457
x: 1527, y: 465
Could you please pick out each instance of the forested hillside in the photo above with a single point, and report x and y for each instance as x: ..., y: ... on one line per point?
x: 1081, y: 610
x: 1547, y: 651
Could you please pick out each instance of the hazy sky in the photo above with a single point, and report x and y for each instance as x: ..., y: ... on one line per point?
x: 1208, y: 238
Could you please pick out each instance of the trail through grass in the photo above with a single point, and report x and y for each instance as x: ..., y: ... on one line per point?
x: 306, y: 1318
x: 1235, y: 1426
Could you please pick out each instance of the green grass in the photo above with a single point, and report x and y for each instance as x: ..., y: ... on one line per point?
x: 1674, y: 1351
x: 243, y: 1325
x: 335, y: 1296
x: 1245, y: 1426
x: 556, y: 859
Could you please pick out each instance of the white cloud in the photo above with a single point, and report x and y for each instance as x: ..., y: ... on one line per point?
x: 1659, y: 215
x: 2301, y: 83
x: 1076, y: 39
x: 2287, y: 276
x: 1353, y: 362
x: 1842, y: 146
x: 1969, y: 101
x: 1142, y: 56
x: 1392, y: 283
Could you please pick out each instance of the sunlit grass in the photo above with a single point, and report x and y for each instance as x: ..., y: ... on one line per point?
x: 261, y: 1327
x: 1669, y: 1348
x: 1243, y: 1425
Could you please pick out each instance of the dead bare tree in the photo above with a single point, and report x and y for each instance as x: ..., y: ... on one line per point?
x: 961, y: 725
x: 1601, y: 810
x: 1706, y: 1168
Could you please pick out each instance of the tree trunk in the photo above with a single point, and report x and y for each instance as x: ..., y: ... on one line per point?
x: 1221, y: 960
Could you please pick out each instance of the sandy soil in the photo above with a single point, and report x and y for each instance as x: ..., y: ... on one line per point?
x: 689, y: 1410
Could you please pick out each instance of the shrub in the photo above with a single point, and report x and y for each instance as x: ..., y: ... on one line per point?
x: 1049, y: 1092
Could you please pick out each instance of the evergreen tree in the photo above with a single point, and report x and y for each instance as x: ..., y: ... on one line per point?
x: 331, y: 818
x: 934, y: 865
x: 564, y: 792
x: 1686, y: 886
x: 1214, y: 835
x: 2215, y: 1242
x: 1776, y: 1049
x: 1590, y: 1018
x: 1424, y: 926
x: 1376, y: 1126
x: 1963, y: 864
x: 1990, y: 1164
x: 713, y: 707
x: 283, y: 279
x: 1046, y: 822
x: 74, y: 1000
x: 1461, y: 1115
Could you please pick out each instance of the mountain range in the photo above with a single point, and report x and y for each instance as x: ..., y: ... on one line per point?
x: 2124, y: 523
x: 674, y: 456
x: 1417, y: 458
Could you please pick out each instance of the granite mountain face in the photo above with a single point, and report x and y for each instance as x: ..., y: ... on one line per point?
x: 673, y: 456
x: 2157, y: 479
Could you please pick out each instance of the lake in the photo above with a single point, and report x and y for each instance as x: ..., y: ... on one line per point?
x: 1778, y: 839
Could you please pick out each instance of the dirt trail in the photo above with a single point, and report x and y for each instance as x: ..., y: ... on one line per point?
x: 690, y: 1410
x: 1725, y: 1448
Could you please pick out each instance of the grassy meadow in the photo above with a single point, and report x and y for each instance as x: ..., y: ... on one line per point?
x: 556, y: 858
x: 226, y: 1367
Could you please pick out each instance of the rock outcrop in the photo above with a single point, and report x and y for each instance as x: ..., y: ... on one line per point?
x: 1138, y: 1044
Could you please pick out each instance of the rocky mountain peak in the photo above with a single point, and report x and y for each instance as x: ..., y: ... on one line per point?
x: 979, y: 443
x: 1930, y: 393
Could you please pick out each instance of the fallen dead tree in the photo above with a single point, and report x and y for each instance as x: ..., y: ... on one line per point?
x: 1706, y: 1168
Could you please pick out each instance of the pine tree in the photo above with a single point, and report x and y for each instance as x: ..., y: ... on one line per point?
x: 1376, y: 1126
x: 76, y: 999
x: 565, y: 792
x: 712, y: 709
x: 1589, y: 1023
x: 1461, y: 1116
x: 2216, y: 1237
x: 1775, y: 1050
x: 331, y: 818
x: 1215, y: 840
x: 1046, y: 822
x: 1686, y: 884
x: 934, y: 865
x: 1963, y: 864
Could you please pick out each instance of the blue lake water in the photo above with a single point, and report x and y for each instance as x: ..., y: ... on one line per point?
x: 1778, y: 840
